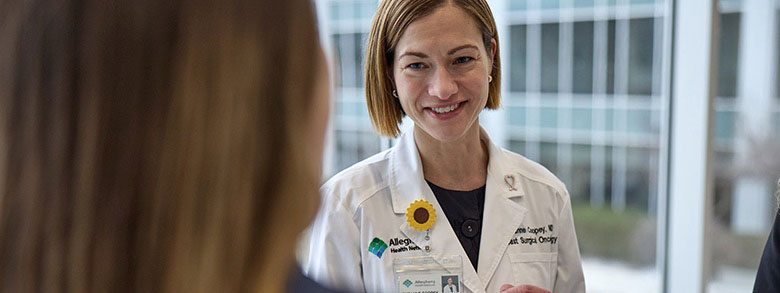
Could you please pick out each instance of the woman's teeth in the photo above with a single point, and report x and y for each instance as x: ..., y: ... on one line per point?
x: 446, y: 109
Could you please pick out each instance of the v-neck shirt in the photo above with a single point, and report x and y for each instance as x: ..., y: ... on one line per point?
x: 464, y: 211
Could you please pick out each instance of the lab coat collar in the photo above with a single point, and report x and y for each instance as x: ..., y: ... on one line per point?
x: 407, y: 184
x: 504, y: 212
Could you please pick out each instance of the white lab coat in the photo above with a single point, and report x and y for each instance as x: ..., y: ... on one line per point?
x: 449, y: 289
x: 369, y: 200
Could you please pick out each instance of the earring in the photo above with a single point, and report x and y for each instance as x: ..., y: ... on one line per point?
x: 490, y: 78
x: 395, y: 93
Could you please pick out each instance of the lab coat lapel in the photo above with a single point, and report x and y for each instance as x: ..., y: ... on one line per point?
x: 407, y: 184
x: 503, y: 213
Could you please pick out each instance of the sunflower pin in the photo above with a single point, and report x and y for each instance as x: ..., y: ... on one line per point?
x: 420, y: 215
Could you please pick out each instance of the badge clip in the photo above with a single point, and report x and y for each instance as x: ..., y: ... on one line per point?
x: 420, y: 215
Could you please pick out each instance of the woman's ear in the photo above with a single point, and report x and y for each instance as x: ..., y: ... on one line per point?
x: 389, y: 76
x: 493, y: 45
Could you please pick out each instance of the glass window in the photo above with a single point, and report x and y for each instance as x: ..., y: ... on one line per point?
x: 350, y: 50
x: 343, y: 11
x: 584, y: 3
x: 608, y: 173
x: 369, y: 144
x: 728, y: 54
x: 582, y: 75
x: 743, y: 202
x: 639, y: 121
x: 338, y: 53
x: 549, y: 74
x: 611, y: 24
x: 517, y: 5
x: 360, y: 46
x: 724, y: 184
x: 518, y: 57
x: 581, y: 118
x: 366, y: 10
x: 355, y: 145
x: 517, y: 146
x: 345, y: 145
x: 640, y: 175
x: 516, y: 115
x: 777, y: 123
x: 349, y: 61
x: 579, y: 187
x: 345, y: 108
x: 549, y: 117
x: 640, y: 63
x: 635, y: 2
x: 724, y: 124
x: 549, y: 156
x: 339, y: 108
x: 333, y: 11
x: 550, y: 4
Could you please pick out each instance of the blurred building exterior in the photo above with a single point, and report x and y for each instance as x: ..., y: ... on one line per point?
x: 583, y: 94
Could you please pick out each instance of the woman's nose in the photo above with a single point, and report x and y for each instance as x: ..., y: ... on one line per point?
x: 443, y: 85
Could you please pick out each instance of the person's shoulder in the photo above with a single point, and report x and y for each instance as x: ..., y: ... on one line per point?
x: 358, y: 182
x: 534, y: 172
x: 298, y: 282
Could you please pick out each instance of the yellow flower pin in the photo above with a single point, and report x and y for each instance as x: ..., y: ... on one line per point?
x: 420, y: 215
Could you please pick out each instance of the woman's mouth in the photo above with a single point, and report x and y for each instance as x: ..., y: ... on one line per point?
x: 447, y: 109
x: 446, y: 112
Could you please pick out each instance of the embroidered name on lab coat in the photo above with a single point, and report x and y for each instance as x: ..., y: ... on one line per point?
x: 534, y: 235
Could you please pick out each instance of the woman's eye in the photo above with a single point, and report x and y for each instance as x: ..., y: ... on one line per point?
x: 417, y: 65
x: 464, y: 59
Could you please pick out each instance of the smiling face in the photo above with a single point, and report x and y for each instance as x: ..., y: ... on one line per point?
x: 441, y: 70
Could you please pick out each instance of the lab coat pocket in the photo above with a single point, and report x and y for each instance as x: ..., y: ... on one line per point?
x: 534, y: 268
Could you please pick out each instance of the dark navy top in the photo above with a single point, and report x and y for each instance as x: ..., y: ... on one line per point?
x: 768, y: 277
x: 464, y: 212
x: 297, y: 282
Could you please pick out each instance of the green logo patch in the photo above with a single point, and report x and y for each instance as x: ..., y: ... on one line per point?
x: 377, y: 247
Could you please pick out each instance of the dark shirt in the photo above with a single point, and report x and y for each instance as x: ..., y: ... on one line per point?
x: 297, y: 282
x: 464, y: 212
x: 768, y: 277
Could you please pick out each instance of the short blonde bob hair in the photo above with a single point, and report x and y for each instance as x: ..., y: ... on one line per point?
x: 390, y: 22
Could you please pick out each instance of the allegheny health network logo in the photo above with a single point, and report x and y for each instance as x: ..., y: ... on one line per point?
x: 407, y: 283
x: 377, y: 247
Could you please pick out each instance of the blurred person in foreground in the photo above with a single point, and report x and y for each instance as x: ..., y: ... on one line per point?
x: 151, y: 146
x: 768, y: 276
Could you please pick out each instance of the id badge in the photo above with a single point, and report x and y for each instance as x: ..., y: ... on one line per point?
x: 423, y: 274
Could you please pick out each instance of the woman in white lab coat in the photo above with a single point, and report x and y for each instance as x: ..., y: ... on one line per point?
x: 444, y: 189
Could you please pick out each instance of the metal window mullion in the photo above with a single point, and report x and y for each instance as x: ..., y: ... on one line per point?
x: 657, y: 93
x: 690, y: 159
x: 565, y: 65
x: 751, y: 208
x: 622, y: 38
x: 598, y: 142
x: 533, y: 83
x: 347, y: 68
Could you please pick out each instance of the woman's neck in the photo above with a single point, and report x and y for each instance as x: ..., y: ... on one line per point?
x: 455, y: 165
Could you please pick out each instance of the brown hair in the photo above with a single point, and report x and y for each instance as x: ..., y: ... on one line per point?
x: 390, y: 22
x: 153, y: 146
